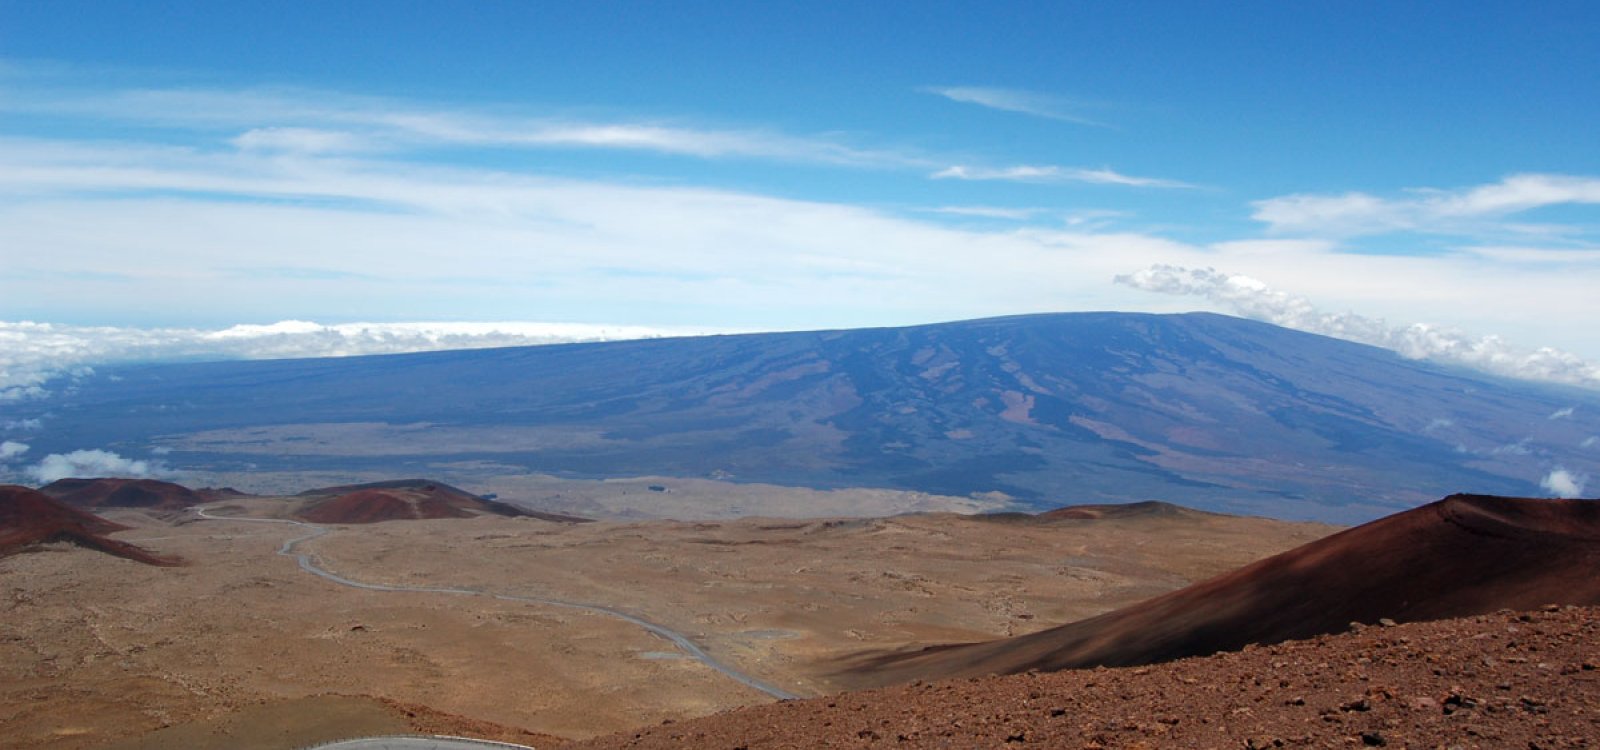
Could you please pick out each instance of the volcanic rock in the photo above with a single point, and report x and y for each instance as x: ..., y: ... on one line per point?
x: 1502, y: 680
x: 1464, y: 555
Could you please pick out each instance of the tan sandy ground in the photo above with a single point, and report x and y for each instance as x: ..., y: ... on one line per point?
x: 95, y: 650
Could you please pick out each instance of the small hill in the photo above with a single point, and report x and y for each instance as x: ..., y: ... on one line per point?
x: 122, y: 493
x: 1464, y: 555
x: 215, y: 494
x: 29, y: 518
x: 1147, y: 509
x: 405, y: 499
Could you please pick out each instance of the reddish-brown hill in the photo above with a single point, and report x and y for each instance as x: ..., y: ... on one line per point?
x: 1147, y: 509
x: 214, y: 494
x: 122, y: 493
x: 1464, y: 555
x: 29, y: 518
x: 405, y: 499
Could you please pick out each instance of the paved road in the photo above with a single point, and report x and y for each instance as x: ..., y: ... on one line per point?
x: 309, y: 565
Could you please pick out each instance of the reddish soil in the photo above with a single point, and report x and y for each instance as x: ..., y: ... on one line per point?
x: 406, y: 499
x: 1464, y: 555
x: 122, y: 493
x: 1502, y: 680
x: 29, y: 519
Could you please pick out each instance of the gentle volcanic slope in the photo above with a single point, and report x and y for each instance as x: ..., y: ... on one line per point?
x: 29, y: 518
x: 122, y: 493
x: 1464, y: 555
x: 1202, y: 410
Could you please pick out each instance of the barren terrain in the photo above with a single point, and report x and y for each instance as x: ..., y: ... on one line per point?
x: 96, y: 650
x: 1490, y: 682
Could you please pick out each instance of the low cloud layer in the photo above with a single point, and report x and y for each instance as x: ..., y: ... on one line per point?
x: 11, y: 449
x: 1253, y: 299
x: 90, y: 463
x: 34, y: 354
x: 1563, y: 483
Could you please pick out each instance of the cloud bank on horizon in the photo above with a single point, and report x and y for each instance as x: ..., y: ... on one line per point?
x: 1251, y: 298
x: 34, y: 354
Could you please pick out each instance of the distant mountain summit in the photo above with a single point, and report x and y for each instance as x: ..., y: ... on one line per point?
x: 1202, y: 410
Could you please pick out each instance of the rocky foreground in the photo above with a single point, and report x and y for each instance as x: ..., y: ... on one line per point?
x: 1505, y: 680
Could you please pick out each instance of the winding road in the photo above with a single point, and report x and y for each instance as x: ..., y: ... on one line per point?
x: 688, y: 647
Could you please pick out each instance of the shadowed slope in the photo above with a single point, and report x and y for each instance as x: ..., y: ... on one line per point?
x: 29, y: 518
x: 1464, y: 555
x: 122, y: 493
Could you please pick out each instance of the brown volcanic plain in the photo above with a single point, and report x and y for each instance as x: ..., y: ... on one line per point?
x: 97, y: 651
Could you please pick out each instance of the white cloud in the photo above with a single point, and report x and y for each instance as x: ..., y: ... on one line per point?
x: 1590, y: 442
x: 298, y: 140
x: 1254, y: 299
x: 20, y: 425
x: 1563, y: 483
x: 10, y: 449
x: 988, y: 212
x: 1563, y: 413
x: 35, y: 353
x: 1032, y: 173
x: 1537, y: 255
x: 1015, y: 100
x: 329, y: 207
x: 1426, y: 210
x: 273, y: 120
x: 88, y: 464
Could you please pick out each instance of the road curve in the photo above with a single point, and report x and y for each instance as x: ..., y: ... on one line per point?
x: 309, y: 565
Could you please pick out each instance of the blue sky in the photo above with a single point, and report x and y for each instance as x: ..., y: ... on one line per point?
x: 1417, y: 175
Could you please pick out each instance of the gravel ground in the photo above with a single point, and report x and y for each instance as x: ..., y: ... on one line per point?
x: 1506, y: 680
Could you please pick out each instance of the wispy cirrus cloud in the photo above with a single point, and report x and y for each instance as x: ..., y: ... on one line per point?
x: 1019, y: 101
x: 1049, y: 173
x: 270, y: 120
x: 1426, y: 210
